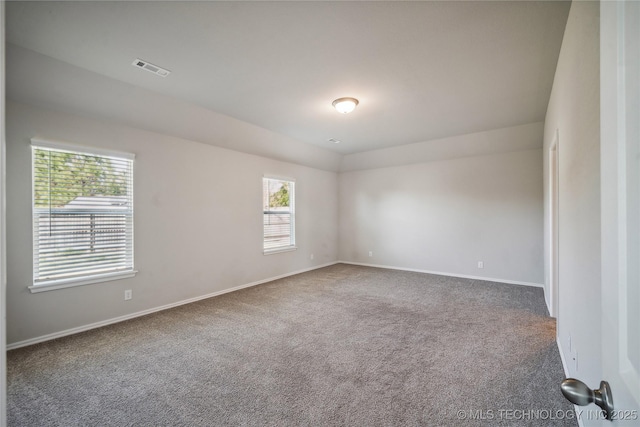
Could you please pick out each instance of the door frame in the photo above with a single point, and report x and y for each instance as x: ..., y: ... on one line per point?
x: 3, y: 234
x: 554, y: 238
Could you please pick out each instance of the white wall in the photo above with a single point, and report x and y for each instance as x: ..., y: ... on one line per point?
x: 198, y: 222
x: 574, y: 111
x: 445, y: 216
x: 515, y: 138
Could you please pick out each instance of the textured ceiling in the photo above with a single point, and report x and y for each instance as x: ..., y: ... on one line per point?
x: 421, y: 70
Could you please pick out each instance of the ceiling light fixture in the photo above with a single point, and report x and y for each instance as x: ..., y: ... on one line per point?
x: 345, y: 105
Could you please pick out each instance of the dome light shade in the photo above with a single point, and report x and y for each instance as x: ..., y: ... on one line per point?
x: 345, y: 105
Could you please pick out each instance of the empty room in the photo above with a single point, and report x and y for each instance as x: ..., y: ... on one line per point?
x: 308, y: 213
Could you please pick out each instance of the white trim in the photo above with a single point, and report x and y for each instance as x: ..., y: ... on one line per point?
x: 3, y: 228
x: 279, y: 249
x: 279, y: 177
x: 576, y: 409
x: 440, y: 273
x: 95, y: 325
x: 84, y: 149
x: 81, y: 281
x: 554, y: 229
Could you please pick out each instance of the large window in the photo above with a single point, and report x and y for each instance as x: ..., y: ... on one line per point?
x: 82, y: 216
x: 278, y: 203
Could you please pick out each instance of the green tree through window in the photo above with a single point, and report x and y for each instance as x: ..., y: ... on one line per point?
x: 281, y: 197
x: 62, y: 176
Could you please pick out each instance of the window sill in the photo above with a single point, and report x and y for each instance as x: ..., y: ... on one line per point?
x: 279, y: 250
x: 70, y: 283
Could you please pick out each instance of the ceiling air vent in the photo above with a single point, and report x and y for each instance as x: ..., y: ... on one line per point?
x: 151, y: 68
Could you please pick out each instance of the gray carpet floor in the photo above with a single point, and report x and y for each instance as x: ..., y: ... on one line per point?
x: 342, y: 345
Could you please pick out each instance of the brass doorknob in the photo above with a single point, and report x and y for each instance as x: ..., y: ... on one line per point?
x: 580, y: 394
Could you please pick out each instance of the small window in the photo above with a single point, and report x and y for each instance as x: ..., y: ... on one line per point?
x: 82, y: 216
x: 278, y: 201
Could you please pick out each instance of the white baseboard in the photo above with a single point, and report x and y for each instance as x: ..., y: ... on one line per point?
x: 440, y: 273
x: 95, y: 325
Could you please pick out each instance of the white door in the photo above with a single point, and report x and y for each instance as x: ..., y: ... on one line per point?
x: 620, y: 172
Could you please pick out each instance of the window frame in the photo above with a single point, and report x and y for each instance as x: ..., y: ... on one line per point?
x: 61, y: 283
x: 292, y: 198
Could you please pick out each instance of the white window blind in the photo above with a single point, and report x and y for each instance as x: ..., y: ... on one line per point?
x: 278, y: 201
x: 82, y: 214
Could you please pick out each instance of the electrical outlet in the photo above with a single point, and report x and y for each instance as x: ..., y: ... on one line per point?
x: 128, y: 294
x: 480, y: 264
x: 311, y: 256
x: 370, y: 253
